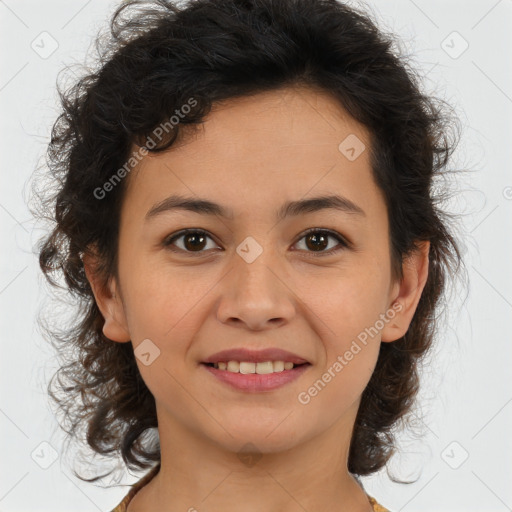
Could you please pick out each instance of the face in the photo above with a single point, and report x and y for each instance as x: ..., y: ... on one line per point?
x: 252, y: 279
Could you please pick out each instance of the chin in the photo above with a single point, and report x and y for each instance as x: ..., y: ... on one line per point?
x: 259, y: 440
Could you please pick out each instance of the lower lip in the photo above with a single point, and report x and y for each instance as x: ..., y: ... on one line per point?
x: 254, y: 382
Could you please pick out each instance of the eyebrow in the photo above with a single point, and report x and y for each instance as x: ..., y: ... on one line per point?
x: 291, y: 208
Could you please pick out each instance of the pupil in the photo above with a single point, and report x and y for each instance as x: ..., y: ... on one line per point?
x: 195, y: 243
x: 316, y: 238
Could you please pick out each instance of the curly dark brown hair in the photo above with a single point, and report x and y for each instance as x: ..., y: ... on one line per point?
x: 156, y: 56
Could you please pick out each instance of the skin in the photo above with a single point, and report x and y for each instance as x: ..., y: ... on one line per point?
x: 251, y: 155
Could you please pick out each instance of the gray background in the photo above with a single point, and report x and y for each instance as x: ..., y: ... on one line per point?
x: 463, y: 461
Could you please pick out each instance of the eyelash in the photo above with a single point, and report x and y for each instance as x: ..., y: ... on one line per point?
x: 343, y: 243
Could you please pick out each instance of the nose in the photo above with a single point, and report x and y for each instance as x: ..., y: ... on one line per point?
x: 256, y: 295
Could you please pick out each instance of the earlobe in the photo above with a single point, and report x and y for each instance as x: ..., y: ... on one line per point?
x: 108, y: 301
x: 405, y: 301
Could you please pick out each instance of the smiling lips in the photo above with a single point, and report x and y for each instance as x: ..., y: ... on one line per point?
x: 256, y: 371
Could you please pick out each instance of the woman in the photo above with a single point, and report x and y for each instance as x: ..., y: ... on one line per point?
x: 246, y: 213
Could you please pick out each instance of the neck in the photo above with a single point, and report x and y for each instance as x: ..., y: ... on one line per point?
x: 196, y: 474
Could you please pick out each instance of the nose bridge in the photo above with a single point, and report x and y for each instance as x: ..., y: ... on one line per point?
x: 254, y: 293
x: 253, y: 268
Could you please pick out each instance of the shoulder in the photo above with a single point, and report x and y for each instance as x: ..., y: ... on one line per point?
x: 374, y: 504
x: 122, y: 507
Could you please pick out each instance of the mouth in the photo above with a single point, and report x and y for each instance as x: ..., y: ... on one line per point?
x: 247, y: 368
x: 255, y: 377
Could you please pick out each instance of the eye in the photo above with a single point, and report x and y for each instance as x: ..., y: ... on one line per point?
x: 194, y: 240
x: 317, y: 240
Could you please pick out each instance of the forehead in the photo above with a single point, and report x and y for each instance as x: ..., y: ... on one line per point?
x: 295, y: 116
x: 260, y: 150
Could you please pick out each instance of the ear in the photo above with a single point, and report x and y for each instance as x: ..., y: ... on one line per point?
x: 108, y: 300
x: 407, y: 293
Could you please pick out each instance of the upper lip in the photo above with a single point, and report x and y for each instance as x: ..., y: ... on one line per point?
x: 255, y: 356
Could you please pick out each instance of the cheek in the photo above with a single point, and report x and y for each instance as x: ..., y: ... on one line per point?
x: 344, y: 380
x: 351, y: 313
x: 161, y: 300
x: 348, y: 302
x: 351, y: 346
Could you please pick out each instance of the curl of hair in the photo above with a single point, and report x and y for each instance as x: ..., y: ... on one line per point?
x: 158, y: 55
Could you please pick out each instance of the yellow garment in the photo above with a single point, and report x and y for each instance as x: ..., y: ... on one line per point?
x: 143, y: 481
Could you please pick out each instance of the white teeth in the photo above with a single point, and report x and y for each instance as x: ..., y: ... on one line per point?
x: 259, y: 368
x: 248, y: 367
x: 279, y: 366
x: 233, y: 366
